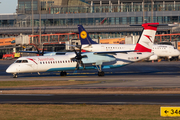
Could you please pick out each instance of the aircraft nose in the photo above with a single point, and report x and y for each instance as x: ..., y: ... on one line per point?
x: 8, y: 70
x: 11, y: 69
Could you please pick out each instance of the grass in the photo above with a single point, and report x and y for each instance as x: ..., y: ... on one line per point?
x: 95, y: 91
x: 31, y: 83
x: 80, y: 112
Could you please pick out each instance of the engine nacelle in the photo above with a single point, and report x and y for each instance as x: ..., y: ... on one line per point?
x: 153, y: 57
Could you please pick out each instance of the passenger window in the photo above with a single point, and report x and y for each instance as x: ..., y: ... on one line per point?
x: 24, y: 61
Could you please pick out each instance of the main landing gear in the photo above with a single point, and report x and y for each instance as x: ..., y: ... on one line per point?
x: 15, y: 75
x: 63, y: 73
x: 100, y: 72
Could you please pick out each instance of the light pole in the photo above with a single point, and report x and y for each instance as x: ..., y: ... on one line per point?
x: 152, y: 10
x: 32, y: 21
x: 39, y: 22
x: 0, y: 19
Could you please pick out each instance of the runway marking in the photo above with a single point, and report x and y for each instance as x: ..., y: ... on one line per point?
x: 71, y: 80
x: 127, y: 72
x: 76, y: 76
x: 81, y: 73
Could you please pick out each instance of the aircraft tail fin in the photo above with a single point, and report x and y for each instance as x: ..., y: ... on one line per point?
x: 84, y: 36
x: 146, y: 40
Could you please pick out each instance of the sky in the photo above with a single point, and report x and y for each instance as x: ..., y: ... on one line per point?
x: 8, y: 6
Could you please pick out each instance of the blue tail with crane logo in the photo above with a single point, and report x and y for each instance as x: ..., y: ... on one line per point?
x: 84, y: 36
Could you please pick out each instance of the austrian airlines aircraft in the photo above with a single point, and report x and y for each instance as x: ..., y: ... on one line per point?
x: 87, y: 60
x: 158, y: 50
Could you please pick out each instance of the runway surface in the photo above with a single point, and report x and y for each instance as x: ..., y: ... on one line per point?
x: 136, y: 75
x: 91, y: 99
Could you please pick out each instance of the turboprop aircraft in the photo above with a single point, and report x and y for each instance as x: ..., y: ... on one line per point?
x: 159, y: 50
x: 87, y: 60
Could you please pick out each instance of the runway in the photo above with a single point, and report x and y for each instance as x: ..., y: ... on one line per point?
x: 137, y: 75
x: 92, y: 99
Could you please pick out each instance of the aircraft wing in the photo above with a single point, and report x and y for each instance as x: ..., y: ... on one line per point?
x: 45, y: 52
x: 113, y: 52
x: 29, y: 52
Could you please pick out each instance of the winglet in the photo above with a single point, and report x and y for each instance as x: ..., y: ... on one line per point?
x: 84, y: 36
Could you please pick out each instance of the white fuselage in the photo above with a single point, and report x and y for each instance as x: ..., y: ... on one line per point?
x: 64, y: 62
x: 159, y: 50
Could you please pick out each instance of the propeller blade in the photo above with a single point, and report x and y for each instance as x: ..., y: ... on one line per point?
x: 43, y: 51
x: 75, y: 51
x: 78, y: 57
x: 77, y: 65
x: 82, y: 64
x: 37, y: 50
x: 80, y: 51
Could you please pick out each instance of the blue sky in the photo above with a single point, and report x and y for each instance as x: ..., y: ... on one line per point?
x: 8, y: 6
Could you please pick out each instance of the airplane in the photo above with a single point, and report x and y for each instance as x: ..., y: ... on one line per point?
x: 159, y: 50
x: 86, y: 60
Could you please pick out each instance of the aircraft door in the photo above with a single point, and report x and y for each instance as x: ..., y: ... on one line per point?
x: 35, y: 66
x: 169, y: 49
x: 102, y: 47
x: 17, y: 68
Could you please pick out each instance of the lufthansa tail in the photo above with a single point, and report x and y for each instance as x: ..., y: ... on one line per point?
x: 84, y: 37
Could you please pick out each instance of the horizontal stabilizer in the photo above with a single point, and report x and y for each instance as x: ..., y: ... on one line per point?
x: 155, y: 24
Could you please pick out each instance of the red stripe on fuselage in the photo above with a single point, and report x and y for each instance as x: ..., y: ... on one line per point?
x: 31, y: 60
x: 140, y: 48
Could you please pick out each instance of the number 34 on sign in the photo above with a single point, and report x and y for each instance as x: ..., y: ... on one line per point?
x: 170, y: 111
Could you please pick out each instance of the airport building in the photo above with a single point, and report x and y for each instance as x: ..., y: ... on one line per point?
x: 101, y: 18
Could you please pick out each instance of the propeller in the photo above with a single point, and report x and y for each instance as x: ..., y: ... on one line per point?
x: 79, y: 57
x: 41, y: 53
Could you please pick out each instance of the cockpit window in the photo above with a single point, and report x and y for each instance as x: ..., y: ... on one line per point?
x: 21, y: 61
x: 24, y: 61
x: 18, y: 61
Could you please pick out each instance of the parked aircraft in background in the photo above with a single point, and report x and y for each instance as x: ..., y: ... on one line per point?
x: 87, y: 60
x: 159, y: 50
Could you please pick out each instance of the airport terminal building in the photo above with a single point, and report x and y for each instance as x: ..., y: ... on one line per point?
x: 101, y: 18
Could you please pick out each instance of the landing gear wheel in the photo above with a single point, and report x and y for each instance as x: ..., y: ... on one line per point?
x: 15, y: 75
x: 63, y: 73
x: 101, y: 73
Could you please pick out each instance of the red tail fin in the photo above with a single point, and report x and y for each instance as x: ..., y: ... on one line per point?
x: 146, y: 39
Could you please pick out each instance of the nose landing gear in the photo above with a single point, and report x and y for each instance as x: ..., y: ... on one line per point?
x: 15, y: 75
